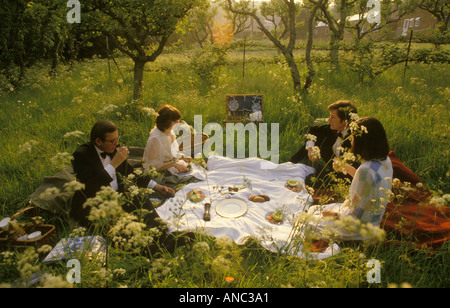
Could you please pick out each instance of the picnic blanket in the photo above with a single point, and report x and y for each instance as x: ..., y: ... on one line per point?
x: 413, y: 217
x: 252, y: 176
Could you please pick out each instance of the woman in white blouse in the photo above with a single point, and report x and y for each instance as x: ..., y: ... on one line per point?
x: 161, y: 151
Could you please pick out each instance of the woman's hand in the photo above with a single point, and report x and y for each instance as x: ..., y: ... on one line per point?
x: 180, y: 167
x: 340, y: 166
x: 187, y: 159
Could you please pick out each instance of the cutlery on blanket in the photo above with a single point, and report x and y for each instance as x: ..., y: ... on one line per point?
x: 207, y: 216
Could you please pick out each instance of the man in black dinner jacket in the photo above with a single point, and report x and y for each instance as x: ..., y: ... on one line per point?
x: 101, y: 162
x: 330, y: 138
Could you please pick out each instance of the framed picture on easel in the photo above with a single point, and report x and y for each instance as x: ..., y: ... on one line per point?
x: 244, y: 108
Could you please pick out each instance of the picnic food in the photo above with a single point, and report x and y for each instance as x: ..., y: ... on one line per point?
x: 259, y: 199
x: 275, y: 217
x: 294, y: 185
x: 195, y: 195
x: 266, y: 197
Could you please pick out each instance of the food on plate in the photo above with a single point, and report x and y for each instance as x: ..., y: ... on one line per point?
x: 195, y: 195
x: 294, y: 185
x: 276, y: 217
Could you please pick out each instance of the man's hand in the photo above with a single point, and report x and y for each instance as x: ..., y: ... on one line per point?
x: 312, y: 156
x: 330, y: 213
x: 121, y: 156
x: 165, y: 191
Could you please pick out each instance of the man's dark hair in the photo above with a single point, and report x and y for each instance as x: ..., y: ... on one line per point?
x: 344, y: 108
x: 373, y: 144
x: 101, y: 128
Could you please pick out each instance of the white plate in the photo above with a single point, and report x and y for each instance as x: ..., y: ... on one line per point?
x: 231, y: 208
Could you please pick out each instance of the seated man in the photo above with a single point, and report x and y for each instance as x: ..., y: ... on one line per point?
x: 98, y: 163
x: 332, y: 140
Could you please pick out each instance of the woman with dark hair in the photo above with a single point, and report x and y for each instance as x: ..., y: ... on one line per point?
x: 371, y: 184
x: 162, y: 150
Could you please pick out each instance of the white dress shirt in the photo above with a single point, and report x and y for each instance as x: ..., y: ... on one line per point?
x: 112, y: 171
x: 336, y: 145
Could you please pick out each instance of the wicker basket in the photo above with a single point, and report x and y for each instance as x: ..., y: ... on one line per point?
x: 12, y: 241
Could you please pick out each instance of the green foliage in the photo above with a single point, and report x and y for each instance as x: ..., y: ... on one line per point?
x: 206, y: 63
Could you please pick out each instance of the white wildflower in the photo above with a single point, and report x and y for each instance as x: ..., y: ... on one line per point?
x: 27, y: 146
x: 55, y: 282
x: 201, y: 248
x: 311, y: 137
x: 50, y: 192
x: 119, y: 272
x: 353, y: 117
x: 108, y: 109
x: 61, y: 160
x: 150, y: 112
x: 316, y: 152
x: 74, y: 134
x: 74, y: 186
x: 224, y: 243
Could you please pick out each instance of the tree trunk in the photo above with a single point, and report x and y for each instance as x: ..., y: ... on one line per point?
x: 139, y: 65
x: 334, y: 51
x: 309, y: 64
x: 296, y: 79
x: 55, y: 54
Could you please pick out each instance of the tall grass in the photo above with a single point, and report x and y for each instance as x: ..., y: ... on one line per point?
x: 35, y: 118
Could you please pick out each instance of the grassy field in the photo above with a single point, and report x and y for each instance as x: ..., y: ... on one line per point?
x: 43, y: 122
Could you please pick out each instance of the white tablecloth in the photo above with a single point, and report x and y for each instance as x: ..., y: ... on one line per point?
x: 259, y: 177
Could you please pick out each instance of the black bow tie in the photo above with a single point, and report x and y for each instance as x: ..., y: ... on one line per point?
x: 104, y: 154
x: 339, y: 134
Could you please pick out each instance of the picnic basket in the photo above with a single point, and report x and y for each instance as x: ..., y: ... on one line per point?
x: 8, y: 240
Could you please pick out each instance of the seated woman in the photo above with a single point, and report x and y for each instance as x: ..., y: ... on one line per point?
x: 162, y: 151
x: 369, y: 190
